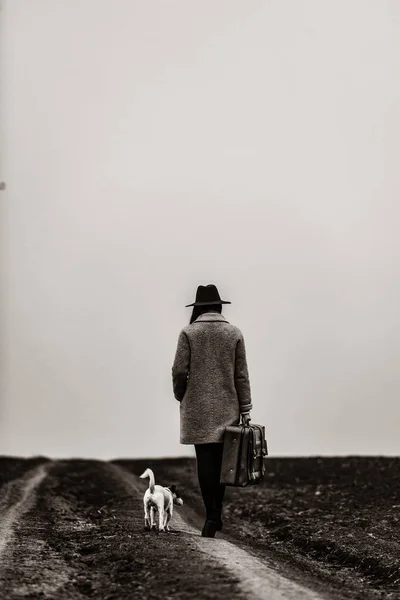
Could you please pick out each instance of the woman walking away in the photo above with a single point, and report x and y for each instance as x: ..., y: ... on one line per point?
x: 211, y: 382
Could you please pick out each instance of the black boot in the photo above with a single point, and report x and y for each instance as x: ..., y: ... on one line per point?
x: 209, y: 529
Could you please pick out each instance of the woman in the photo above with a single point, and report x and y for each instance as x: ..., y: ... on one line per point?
x: 211, y: 382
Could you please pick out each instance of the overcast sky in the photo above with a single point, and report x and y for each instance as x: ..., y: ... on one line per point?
x: 149, y: 147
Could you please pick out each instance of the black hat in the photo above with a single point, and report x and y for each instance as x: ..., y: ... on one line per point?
x: 207, y: 294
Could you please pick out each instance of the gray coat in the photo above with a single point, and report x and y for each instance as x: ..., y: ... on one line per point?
x: 210, y: 378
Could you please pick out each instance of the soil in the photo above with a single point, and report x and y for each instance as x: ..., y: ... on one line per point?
x: 83, y: 537
x: 333, y: 522
x: 74, y: 529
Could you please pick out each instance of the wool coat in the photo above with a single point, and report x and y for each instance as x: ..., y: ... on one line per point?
x: 210, y: 378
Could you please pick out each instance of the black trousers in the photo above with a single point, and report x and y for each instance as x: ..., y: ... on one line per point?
x: 209, y: 459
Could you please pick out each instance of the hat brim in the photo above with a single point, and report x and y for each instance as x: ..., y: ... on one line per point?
x: 209, y: 303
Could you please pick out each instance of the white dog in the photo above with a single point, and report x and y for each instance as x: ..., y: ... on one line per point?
x: 160, y: 499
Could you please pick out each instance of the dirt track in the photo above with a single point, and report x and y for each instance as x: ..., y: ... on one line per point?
x: 17, y: 498
x: 255, y: 578
x: 332, y: 523
x: 74, y: 529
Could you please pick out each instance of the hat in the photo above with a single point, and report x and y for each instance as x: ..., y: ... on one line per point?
x: 206, y: 295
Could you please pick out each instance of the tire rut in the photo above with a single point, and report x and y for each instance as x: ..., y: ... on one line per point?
x: 29, y: 567
x: 18, y: 498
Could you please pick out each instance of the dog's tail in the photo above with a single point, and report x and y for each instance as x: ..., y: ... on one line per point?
x: 149, y: 473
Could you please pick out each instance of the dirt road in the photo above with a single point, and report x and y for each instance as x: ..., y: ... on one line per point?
x: 74, y: 529
x: 329, y: 523
x: 256, y: 579
x: 17, y: 498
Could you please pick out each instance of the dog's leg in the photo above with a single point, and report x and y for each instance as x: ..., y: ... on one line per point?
x: 166, y: 515
x: 161, y: 517
x: 168, y: 519
x: 170, y: 510
x: 152, y: 520
x: 146, y: 516
x: 161, y: 520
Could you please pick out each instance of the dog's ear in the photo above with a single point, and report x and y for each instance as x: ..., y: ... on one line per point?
x: 173, y: 489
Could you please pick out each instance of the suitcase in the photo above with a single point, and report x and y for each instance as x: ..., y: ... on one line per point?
x: 244, y: 451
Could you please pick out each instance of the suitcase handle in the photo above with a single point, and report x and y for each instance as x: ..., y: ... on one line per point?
x: 245, y: 419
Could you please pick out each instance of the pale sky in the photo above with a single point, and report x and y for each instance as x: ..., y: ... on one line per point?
x: 149, y: 147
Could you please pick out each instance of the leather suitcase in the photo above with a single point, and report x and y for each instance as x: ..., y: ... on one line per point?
x: 244, y: 451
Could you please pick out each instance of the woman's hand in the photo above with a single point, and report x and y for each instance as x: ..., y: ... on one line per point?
x: 246, y: 417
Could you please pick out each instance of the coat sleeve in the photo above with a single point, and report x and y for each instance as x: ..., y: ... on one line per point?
x: 242, y: 382
x: 181, y: 366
